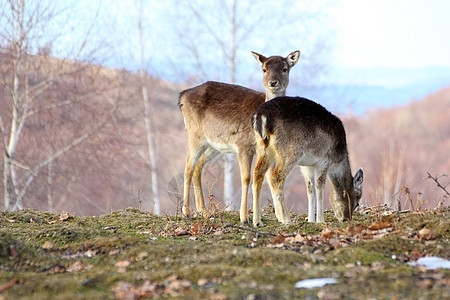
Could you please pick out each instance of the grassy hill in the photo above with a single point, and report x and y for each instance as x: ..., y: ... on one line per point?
x: 130, y: 254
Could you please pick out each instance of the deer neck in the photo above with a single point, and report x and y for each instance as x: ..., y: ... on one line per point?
x: 270, y: 94
x: 341, y: 179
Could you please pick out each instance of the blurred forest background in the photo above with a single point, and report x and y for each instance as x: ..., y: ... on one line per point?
x: 89, y: 121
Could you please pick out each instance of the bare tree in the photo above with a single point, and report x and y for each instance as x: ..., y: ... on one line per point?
x: 147, y: 115
x: 40, y: 91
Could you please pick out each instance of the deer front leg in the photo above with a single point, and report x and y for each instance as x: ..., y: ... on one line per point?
x: 258, y: 178
x: 308, y: 174
x: 320, y: 186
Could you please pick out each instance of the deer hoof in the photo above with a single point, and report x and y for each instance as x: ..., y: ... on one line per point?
x: 186, y: 211
x: 258, y: 224
x: 245, y: 222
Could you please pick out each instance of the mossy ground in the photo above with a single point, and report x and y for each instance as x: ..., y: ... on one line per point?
x: 131, y: 254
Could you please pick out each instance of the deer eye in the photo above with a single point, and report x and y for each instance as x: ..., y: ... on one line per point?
x: 285, y: 70
x: 264, y: 70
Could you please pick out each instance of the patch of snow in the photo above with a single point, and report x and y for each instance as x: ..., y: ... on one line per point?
x: 431, y: 263
x: 314, y: 283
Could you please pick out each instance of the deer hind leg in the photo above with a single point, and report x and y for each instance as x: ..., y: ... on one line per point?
x: 207, y: 155
x: 198, y: 156
x: 188, y: 172
x: 277, y: 179
x: 310, y: 181
x: 260, y: 170
x: 320, y: 187
x: 245, y: 164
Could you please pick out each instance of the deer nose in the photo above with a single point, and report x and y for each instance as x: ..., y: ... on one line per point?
x: 273, y: 83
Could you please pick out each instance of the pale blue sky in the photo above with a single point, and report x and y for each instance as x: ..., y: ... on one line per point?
x: 392, y: 33
x: 364, y: 33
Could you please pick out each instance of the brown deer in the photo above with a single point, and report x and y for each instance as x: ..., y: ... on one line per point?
x: 294, y: 131
x: 216, y: 117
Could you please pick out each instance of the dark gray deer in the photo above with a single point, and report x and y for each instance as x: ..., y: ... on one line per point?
x: 216, y: 117
x: 294, y: 131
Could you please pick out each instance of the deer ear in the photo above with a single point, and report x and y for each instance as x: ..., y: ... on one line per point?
x: 293, y: 57
x: 358, y: 179
x: 259, y: 57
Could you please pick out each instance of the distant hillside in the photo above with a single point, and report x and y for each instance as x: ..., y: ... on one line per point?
x: 397, y: 147
x: 360, y: 90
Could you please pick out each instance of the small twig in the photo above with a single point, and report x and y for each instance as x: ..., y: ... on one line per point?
x: 406, y: 191
x: 8, y: 284
x: 256, y: 231
x: 436, y: 179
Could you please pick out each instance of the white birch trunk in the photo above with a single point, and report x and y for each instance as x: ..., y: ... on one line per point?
x: 228, y: 178
x: 228, y: 187
x: 148, y: 122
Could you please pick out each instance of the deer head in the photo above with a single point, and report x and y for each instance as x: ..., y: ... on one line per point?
x: 276, y: 72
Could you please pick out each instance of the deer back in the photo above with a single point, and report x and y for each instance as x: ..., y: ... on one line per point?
x: 220, y: 112
x: 302, y: 127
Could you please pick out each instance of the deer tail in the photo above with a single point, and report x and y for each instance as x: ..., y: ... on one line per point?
x: 261, y: 127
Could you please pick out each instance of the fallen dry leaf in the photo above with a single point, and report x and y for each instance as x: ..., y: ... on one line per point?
x: 357, y: 229
x: 64, y: 216
x: 379, y: 225
x: 202, y: 282
x: 8, y: 284
x: 299, y: 238
x: 48, y: 245
x: 141, y: 256
x: 124, y: 290
x: 78, y: 266
x: 218, y: 296
x: 114, y: 252
x: 416, y: 254
x: 278, y: 239
x: 327, y: 233
x: 57, y: 268
x: 196, y: 228
x: 179, y: 231
x: 177, y: 287
x: 218, y: 232
x: 13, y: 252
x: 426, y: 234
x: 122, y: 263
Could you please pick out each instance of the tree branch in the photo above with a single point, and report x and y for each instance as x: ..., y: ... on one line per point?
x: 436, y: 179
x: 28, y: 178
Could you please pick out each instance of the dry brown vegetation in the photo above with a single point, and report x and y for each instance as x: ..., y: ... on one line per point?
x: 399, y: 146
